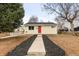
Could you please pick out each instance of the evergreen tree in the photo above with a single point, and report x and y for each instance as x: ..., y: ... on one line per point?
x: 11, y: 15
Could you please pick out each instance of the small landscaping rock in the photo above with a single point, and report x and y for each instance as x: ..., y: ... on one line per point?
x: 51, y: 48
x: 22, y: 49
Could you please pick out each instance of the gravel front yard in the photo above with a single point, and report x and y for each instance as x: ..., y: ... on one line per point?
x: 51, y: 48
x: 6, y: 45
x: 69, y: 43
x: 21, y: 50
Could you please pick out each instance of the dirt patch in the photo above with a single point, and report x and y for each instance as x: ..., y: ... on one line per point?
x: 4, y: 34
x: 9, y: 44
x: 69, y: 43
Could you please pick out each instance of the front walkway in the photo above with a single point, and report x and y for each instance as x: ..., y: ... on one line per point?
x: 37, y: 47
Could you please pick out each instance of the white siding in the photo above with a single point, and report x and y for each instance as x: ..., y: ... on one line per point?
x: 49, y: 30
x: 44, y: 30
x: 35, y: 31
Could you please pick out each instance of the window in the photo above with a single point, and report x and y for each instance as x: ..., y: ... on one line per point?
x: 31, y: 27
x: 52, y: 26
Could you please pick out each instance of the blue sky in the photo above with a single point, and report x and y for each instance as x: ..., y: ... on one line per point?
x: 34, y: 9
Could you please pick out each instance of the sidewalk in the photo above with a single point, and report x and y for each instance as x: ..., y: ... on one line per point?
x: 37, y: 48
x: 11, y: 36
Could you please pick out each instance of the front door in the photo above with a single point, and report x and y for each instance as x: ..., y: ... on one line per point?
x: 39, y: 29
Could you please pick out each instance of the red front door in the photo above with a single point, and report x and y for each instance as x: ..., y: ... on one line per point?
x: 39, y: 29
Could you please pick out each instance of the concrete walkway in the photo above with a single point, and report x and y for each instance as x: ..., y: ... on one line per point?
x: 10, y: 36
x: 37, y: 48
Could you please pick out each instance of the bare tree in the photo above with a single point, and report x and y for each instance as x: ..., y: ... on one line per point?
x: 67, y: 11
x: 33, y: 19
x: 60, y: 22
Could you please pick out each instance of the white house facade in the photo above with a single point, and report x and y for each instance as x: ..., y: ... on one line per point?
x: 39, y: 28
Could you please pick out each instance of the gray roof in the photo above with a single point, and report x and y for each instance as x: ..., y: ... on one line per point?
x: 40, y: 23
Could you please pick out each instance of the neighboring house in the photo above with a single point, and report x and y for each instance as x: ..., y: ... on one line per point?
x: 76, y: 29
x: 40, y: 28
x: 63, y: 29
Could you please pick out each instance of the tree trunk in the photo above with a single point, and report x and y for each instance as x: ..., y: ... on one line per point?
x: 69, y: 30
x: 72, y: 28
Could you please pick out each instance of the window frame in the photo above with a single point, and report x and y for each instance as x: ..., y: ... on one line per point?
x: 31, y: 27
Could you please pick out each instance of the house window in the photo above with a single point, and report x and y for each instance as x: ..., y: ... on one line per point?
x: 52, y: 26
x: 31, y: 27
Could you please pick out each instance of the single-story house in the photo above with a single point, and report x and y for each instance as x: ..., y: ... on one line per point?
x: 40, y: 28
x: 76, y: 28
